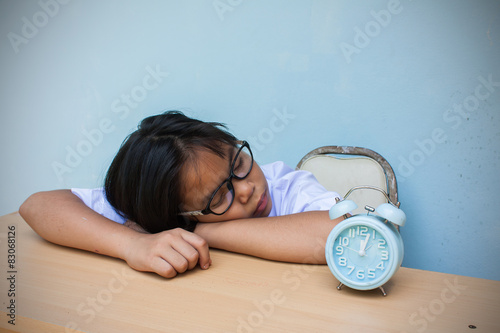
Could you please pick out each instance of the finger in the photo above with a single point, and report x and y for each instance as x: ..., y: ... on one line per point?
x: 187, y: 251
x: 176, y: 259
x: 201, y: 246
x: 163, y: 268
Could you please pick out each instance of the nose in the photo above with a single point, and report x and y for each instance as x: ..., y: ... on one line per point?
x: 243, y: 190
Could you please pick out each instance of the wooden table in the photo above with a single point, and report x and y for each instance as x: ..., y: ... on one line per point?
x: 59, y: 289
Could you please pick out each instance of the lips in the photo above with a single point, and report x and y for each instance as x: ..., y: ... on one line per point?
x: 261, y: 206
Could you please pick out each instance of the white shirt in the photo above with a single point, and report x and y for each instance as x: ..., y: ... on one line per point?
x: 295, y: 191
x: 291, y: 192
x: 96, y: 200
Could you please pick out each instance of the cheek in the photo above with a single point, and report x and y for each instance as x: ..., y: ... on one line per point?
x: 209, y: 218
x: 256, y: 174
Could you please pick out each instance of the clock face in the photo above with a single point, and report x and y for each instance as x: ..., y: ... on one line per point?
x: 363, y: 252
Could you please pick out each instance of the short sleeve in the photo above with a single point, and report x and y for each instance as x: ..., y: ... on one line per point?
x: 296, y: 191
x: 96, y: 200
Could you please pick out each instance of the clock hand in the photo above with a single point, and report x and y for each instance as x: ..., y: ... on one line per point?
x: 361, y: 245
x: 362, y: 251
x: 347, y: 247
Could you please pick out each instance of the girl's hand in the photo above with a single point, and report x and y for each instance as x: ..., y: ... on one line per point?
x: 167, y: 253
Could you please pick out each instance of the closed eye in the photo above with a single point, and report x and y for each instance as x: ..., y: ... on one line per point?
x: 242, y: 165
x: 222, y: 196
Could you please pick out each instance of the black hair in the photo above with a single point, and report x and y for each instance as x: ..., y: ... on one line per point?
x: 143, y: 182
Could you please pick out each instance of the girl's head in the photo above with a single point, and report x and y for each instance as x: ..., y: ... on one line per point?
x: 168, y: 170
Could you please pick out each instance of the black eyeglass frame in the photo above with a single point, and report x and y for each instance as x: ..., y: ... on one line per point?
x: 228, y: 181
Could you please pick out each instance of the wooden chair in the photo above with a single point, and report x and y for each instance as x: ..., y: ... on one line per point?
x: 341, y: 168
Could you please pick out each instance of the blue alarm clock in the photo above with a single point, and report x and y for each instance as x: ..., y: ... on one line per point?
x: 365, y: 250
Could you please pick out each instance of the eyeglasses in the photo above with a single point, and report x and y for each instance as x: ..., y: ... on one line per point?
x: 223, y: 197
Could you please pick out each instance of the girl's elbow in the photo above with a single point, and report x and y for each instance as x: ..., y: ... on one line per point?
x: 27, y: 206
x: 32, y: 205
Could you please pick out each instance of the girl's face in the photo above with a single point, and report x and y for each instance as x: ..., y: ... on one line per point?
x: 251, y: 194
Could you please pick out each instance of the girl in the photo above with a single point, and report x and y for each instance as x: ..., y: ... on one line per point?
x: 179, y: 185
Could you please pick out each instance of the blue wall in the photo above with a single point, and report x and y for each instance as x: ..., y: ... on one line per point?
x: 417, y: 81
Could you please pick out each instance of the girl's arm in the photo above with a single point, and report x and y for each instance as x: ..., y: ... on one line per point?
x: 62, y: 218
x: 297, y: 238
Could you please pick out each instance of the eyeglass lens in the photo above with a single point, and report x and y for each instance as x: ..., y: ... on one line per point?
x: 241, y: 167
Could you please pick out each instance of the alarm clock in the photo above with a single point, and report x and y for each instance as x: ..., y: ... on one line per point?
x: 365, y: 250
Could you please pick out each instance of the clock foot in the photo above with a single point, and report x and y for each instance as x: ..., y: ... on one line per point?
x: 340, y: 286
x: 383, y: 291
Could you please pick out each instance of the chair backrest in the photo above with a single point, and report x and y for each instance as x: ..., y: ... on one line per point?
x: 340, y: 168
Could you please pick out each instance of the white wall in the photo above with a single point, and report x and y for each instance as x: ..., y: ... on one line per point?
x: 407, y: 79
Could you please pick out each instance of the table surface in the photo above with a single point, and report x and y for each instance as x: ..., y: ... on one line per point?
x: 50, y: 288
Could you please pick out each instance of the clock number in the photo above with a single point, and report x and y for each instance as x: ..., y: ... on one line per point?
x: 358, y: 231
x: 380, y: 266
x: 371, y: 273
x: 343, y: 241
x: 360, y: 274
x: 374, y: 234
x: 342, y: 261
x: 385, y: 255
x: 381, y: 243
x: 351, y: 268
x: 340, y: 250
